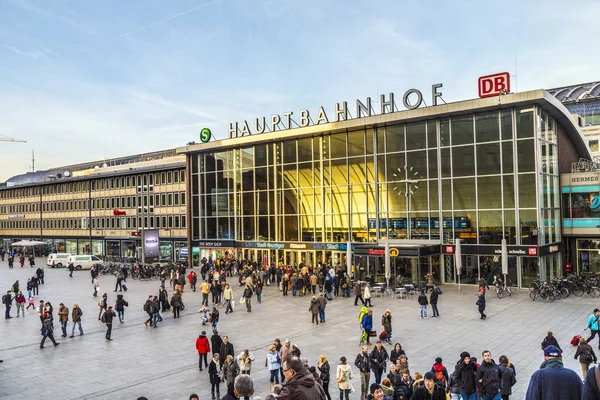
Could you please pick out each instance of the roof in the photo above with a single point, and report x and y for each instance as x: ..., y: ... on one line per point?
x: 538, y: 97
x: 576, y: 93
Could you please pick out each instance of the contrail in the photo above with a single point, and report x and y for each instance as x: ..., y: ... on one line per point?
x: 121, y: 36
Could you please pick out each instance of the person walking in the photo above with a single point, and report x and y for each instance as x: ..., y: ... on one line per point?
x: 63, y: 318
x: 215, y: 379
x: 227, y: 349
x: 248, y: 297
x: 488, y: 378
x: 507, y: 377
x: 7, y: 300
x: 324, y: 374
x: 273, y: 362
x: 156, y: 317
x: 245, y: 361
x: 386, y: 321
x: 593, y: 325
x: 429, y: 390
x: 107, y: 318
x: 343, y: 375
x: 214, y: 318
x: 228, y: 296
x: 47, y: 330
x: 423, y: 302
x: 550, y: 340
x: 379, y: 359
x: 358, y: 294
x: 481, y: 304
x: 367, y: 295
x: 20, y: 300
x: 466, y: 371
x: 367, y: 325
x: 216, y: 342
x: 586, y: 355
x: 322, y: 304
x: 119, y: 283
x: 176, y: 303
x: 313, y: 308
x: 433, y: 300
x: 149, y: 310
x: 76, y: 315
x: 71, y: 269
x: 163, y: 298
x: 102, y: 305
x: 363, y: 363
x: 203, y: 347
x: 553, y: 380
x: 120, y: 305
x: 96, y: 285
x: 231, y: 370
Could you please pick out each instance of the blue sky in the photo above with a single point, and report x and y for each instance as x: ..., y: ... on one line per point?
x: 85, y: 80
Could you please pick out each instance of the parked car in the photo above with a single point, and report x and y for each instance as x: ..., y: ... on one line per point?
x: 84, y: 261
x: 58, y: 260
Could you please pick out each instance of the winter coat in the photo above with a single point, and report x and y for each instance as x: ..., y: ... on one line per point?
x: 76, y: 314
x: 554, y: 382
x: 272, y: 361
x: 379, y: 358
x: 395, y: 355
x: 422, y: 394
x: 592, y: 322
x: 226, y: 350
x: 591, y: 388
x: 465, y: 375
x: 213, y: 372
x: 358, y: 290
x: 453, y: 384
x: 507, y: 379
x: 581, y: 348
x: 314, y: 306
x: 322, y: 302
x: 488, y: 378
x: 245, y: 363
x: 176, y: 301
x: 550, y: 341
x: 215, y: 343
x: 120, y: 304
x: 324, y: 372
x: 367, y: 322
x: 230, y: 371
x: 433, y: 297
x: 202, y: 344
x: 386, y: 321
x: 63, y: 314
x: 346, y: 372
x: 423, y: 299
x: 367, y: 293
x: 108, y: 317
x: 301, y: 386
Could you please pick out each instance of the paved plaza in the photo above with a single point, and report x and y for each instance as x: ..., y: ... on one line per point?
x: 163, y: 364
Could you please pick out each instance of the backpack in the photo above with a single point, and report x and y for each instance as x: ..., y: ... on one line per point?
x: 587, y: 356
x: 147, y: 306
x: 363, y: 311
x: 4, y: 299
x: 103, y: 318
x: 120, y: 275
x: 439, y: 374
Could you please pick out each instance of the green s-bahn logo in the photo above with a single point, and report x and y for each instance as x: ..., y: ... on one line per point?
x: 205, y: 135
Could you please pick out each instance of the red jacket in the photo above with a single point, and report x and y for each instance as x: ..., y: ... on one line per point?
x: 202, y: 345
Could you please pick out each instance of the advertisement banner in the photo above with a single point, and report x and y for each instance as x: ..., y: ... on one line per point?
x: 150, y: 250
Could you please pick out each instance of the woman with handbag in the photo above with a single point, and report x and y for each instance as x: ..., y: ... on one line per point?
x: 343, y: 377
x: 324, y: 375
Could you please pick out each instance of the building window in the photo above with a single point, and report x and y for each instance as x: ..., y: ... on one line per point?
x: 169, y: 177
x: 182, y: 176
x: 593, y: 145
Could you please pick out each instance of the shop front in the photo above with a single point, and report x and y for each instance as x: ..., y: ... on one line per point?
x: 213, y: 250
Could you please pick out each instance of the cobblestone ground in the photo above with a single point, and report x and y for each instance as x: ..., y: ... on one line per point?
x: 162, y: 363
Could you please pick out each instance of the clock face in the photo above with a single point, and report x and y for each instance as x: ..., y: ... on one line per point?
x: 410, y: 183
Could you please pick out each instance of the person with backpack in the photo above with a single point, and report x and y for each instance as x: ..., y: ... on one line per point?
x: 119, y: 283
x: 149, y: 310
x: 550, y: 340
x: 441, y: 373
x: 453, y: 388
x: 507, y: 377
x: 367, y: 326
x: 586, y: 355
x: 592, y: 325
x: 423, y: 302
x: 120, y: 305
x: 107, y: 318
x: 47, y: 330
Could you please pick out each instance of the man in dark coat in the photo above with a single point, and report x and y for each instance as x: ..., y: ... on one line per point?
x: 215, y: 379
x: 488, y: 377
x: 553, y: 381
x: 430, y: 391
x: 379, y: 358
x: 226, y: 350
x: 299, y: 383
x: 465, y: 375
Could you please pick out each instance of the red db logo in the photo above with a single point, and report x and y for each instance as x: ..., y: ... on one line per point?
x: 532, y: 251
x: 494, y: 85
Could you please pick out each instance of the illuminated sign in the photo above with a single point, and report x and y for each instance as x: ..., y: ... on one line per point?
x: 205, y: 135
x: 595, y: 202
x: 411, y: 100
x: 494, y: 85
x: 394, y: 252
x: 150, y: 248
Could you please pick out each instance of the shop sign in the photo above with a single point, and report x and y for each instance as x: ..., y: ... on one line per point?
x: 585, y: 178
x: 341, y: 113
x: 595, y: 202
x: 12, y: 216
x: 525, y: 251
x: 216, y: 243
x: 150, y: 244
x: 394, y: 252
x: 183, y: 252
x: 373, y: 252
x: 553, y: 248
x: 532, y: 251
x: 264, y: 245
x: 449, y: 249
x: 117, y: 212
x: 331, y: 246
x: 297, y: 246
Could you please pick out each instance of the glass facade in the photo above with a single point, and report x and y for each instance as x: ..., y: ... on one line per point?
x: 472, y: 177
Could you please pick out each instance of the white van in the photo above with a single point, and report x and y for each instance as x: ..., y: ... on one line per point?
x: 83, y: 261
x: 58, y: 260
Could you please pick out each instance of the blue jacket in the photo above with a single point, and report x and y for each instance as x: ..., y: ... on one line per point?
x: 367, y: 322
x: 554, y: 382
x: 592, y: 323
x: 591, y: 389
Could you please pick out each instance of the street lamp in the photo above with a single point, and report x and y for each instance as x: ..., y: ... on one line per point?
x: 411, y: 182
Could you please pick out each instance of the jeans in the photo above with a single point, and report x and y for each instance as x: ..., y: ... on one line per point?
x: 322, y: 314
x: 214, y: 386
x: 326, y: 389
x: 80, y: 329
x: 496, y: 396
x: 51, y: 336
x: 63, y: 326
x: 156, y: 317
x: 454, y: 396
x: 388, y: 336
x: 314, y: 288
x: 274, y: 376
x: 423, y: 311
x: 345, y: 394
x: 259, y: 297
x: 249, y: 304
x: 108, y: 330
x: 594, y: 333
x: 28, y: 293
x: 378, y: 372
x: 7, y: 310
x: 294, y: 290
x: 228, y: 309
x: 468, y: 396
x: 21, y: 307
x: 176, y: 312
x: 436, y: 313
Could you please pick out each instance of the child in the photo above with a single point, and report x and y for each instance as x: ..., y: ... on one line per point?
x: 204, y: 314
x: 441, y: 373
x: 30, y: 304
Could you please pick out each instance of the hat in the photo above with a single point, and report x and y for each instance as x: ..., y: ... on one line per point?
x: 203, y: 333
x: 374, y: 387
x: 464, y: 355
x: 552, y: 351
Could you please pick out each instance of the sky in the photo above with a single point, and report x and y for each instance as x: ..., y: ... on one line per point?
x: 95, y: 79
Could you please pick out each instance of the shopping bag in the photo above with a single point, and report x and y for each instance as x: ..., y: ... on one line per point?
x: 242, y: 300
x: 232, y: 304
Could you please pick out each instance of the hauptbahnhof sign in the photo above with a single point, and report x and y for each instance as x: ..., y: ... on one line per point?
x: 411, y: 99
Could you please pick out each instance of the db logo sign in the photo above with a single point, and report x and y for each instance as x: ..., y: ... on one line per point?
x: 532, y: 251
x: 449, y: 249
x: 494, y: 85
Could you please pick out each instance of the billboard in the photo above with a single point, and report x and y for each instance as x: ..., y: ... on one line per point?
x: 150, y: 246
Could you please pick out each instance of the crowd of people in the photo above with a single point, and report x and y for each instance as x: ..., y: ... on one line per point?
x: 292, y: 375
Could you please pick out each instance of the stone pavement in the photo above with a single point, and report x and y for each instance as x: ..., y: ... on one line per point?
x: 163, y: 364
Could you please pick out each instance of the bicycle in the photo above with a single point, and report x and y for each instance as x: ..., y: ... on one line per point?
x: 502, y: 290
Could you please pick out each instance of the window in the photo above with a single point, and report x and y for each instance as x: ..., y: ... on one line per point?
x: 593, y: 145
x: 175, y: 177
x: 176, y: 199
x: 182, y: 176
x: 169, y: 177
x: 182, y: 198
